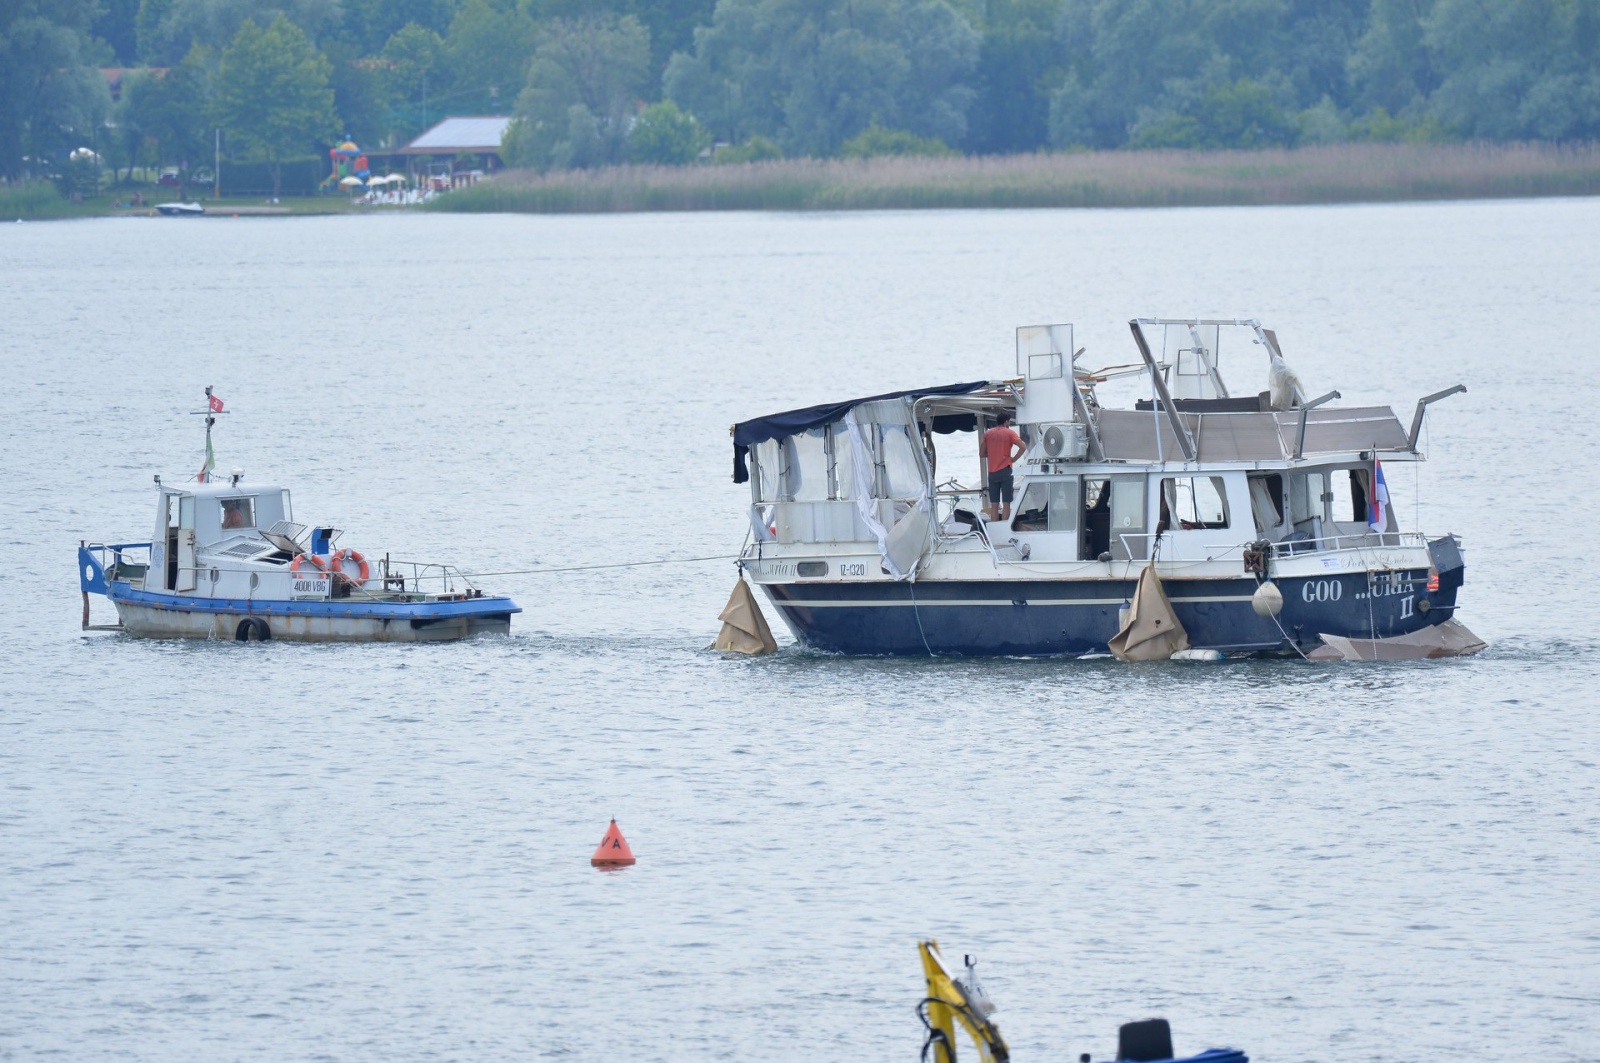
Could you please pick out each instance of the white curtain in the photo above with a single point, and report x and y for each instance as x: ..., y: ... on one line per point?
x: 859, y: 422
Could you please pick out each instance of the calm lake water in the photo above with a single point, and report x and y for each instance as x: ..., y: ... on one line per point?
x: 289, y: 852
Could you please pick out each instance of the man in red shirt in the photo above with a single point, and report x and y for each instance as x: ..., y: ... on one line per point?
x: 1001, y: 447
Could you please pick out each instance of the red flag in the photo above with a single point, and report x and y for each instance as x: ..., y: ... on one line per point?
x: 216, y: 404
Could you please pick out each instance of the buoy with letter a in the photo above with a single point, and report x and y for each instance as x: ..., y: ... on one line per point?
x: 613, y: 851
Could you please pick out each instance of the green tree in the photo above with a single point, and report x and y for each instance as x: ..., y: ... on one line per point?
x: 175, y: 110
x: 756, y: 149
x: 51, y: 100
x: 115, y: 23
x: 1517, y: 68
x: 487, y: 52
x: 126, y: 137
x: 1236, y: 114
x: 665, y: 135
x: 362, y: 93
x: 1389, y: 65
x: 170, y: 29
x: 1019, y: 65
x: 813, y: 73
x: 413, y: 61
x: 583, y: 83
x: 372, y: 22
x: 272, y: 93
x: 876, y: 140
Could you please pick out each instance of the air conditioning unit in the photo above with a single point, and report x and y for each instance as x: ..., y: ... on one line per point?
x: 1063, y: 442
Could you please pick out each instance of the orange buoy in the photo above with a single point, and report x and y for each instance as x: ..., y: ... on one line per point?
x: 613, y: 851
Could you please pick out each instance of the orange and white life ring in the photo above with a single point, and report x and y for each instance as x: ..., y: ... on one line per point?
x: 316, y: 563
x: 336, y: 565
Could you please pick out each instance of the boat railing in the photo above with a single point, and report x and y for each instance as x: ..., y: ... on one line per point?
x: 1355, y: 541
x: 99, y: 563
x: 418, y: 577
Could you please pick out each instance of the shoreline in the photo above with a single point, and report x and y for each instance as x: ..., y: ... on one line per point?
x: 1323, y: 175
x: 1341, y: 173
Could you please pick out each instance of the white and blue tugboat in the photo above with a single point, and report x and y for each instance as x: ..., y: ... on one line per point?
x: 227, y: 561
x: 1247, y: 524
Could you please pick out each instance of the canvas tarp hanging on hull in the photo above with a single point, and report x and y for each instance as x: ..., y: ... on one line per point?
x: 744, y: 629
x: 1152, y: 631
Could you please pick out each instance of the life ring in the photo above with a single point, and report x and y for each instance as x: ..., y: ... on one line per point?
x: 316, y: 562
x: 336, y: 565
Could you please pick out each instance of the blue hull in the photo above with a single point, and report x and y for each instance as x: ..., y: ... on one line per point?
x: 155, y: 614
x: 1075, y: 617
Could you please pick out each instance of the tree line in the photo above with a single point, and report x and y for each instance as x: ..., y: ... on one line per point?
x: 597, y: 82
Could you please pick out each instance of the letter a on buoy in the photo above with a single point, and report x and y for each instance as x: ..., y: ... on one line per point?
x: 613, y: 851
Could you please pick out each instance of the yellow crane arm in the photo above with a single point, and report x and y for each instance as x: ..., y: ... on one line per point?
x: 948, y: 1004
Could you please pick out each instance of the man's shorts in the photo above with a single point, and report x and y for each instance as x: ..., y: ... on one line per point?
x: 1000, y: 486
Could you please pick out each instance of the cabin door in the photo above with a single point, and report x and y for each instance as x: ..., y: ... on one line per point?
x: 184, y: 534
x: 1128, y: 541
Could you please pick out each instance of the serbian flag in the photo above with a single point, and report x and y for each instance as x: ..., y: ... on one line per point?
x: 1379, y: 517
x: 216, y: 404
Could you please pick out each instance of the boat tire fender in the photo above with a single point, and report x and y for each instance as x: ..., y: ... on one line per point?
x: 336, y: 565
x: 252, y: 629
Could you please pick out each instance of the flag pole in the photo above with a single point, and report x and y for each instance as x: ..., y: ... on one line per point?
x: 211, y: 419
x: 213, y: 407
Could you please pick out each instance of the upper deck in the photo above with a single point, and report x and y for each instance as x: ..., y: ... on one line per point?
x: 1279, y: 466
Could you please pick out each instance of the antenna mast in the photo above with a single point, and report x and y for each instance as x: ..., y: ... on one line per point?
x: 213, y: 407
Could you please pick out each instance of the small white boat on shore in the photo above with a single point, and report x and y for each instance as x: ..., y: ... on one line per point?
x: 180, y: 210
x: 226, y: 560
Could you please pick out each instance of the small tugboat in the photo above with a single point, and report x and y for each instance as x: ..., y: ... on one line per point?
x: 953, y: 1001
x: 226, y: 561
x: 1196, y: 524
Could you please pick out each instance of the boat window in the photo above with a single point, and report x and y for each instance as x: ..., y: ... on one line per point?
x: 1347, y: 495
x: 186, y: 511
x: 1193, y: 502
x: 1064, y: 504
x: 901, y: 470
x: 1049, y: 505
x: 1033, y: 512
x: 288, y: 514
x: 1266, y: 502
x: 844, y: 462
x: 1306, y: 491
x: 1127, y: 504
x: 1096, y: 518
x: 807, y: 466
x: 238, y: 513
x: 768, y: 481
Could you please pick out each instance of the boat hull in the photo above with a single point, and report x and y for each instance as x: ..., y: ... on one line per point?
x: 1037, y: 617
x: 147, y: 614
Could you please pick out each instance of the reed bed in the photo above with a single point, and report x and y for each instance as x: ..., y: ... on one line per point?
x: 35, y: 201
x: 1336, y: 173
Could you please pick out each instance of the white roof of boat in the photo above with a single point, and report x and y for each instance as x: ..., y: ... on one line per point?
x: 219, y: 488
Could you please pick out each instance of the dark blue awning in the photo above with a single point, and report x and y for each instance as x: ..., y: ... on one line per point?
x: 747, y: 434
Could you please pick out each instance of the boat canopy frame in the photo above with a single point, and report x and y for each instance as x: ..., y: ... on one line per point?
x: 747, y: 434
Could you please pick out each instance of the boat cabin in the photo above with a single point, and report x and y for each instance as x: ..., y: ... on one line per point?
x: 200, y: 522
x: 1192, y: 472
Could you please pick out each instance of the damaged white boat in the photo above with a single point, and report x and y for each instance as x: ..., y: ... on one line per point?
x: 1195, y: 524
x: 226, y: 560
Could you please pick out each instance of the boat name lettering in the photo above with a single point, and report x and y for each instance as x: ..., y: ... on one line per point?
x: 853, y: 569
x: 1322, y: 590
x: 310, y: 588
x: 1385, y: 584
x: 1405, y: 606
x: 778, y: 568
